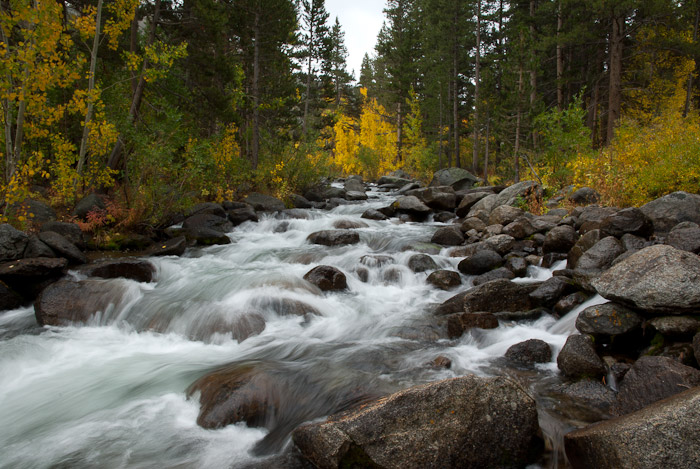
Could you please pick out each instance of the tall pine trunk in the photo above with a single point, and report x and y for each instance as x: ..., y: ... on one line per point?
x: 255, y: 144
x: 455, y: 106
x: 615, y: 87
x: 477, y: 82
x: 560, y: 61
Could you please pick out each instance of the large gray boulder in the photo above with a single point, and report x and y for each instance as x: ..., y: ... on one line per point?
x: 607, y: 320
x: 70, y: 231
x: 627, y: 221
x: 89, y: 203
x: 411, y: 205
x: 68, y: 302
x: 672, y: 209
x: 458, y: 178
x: 438, y: 198
x: 665, y: 434
x: 686, y: 239
x: 578, y: 358
x: 657, y: 279
x: 12, y: 243
x: 63, y: 247
x: 499, y: 295
x: 138, y: 270
x: 327, y: 278
x: 519, y: 191
x: 480, y: 262
x: 35, y: 210
x: 461, y: 422
x: 264, y: 203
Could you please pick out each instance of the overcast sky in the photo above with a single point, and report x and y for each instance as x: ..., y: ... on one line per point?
x: 361, y: 20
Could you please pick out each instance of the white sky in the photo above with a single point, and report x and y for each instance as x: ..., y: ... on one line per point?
x: 361, y: 20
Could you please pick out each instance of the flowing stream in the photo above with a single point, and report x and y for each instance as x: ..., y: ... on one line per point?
x: 113, y: 393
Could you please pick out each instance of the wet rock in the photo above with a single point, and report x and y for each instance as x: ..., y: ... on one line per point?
x: 601, y: 255
x: 607, y: 320
x: 696, y: 346
x: 501, y: 243
x: 265, y: 203
x: 468, y: 202
x: 210, y: 208
x: 63, y: 247
x: 685, y: 239
x: 549, y: 292
x: 670, y: 210
x: 29, y: 277
x: 349, y: 224
x: 569, y: 302
x: 457, y: 178
x: 665, y: 434
x: 334, y: 237
x: 354, y: 196
x: 9, y: 299
x: 284, y: 306
x: 327, y: 278
x: 441, y: 362
x: 585, y: 196
x: 392, y: 182
x: 658, y: 279
x: 627, y: 221
x: 480, y: 262
x: 459, y: 323
x: 299, y: 201
x: 207, y: 236
x: 442, y: 424
x: 392, y: 275
x: 133, y: 269
x: 171, y: 247
x: 36, y: 248
x: 520, y: 228
x: 437, y: 198
x: 12, y: 243
x: 425, y: 248
x: 452, y: 305
x: 372, y: 214
x: 549, y: 259
x: 376, y: 260
x: 443, y: 217
x: 448, y: 236
x: 500, y: 273
x: 530, y: 352
x: 591, y: 218
x: 207, y: 221
x: 68, y: 302
x: 560, y: 239
x: 504, y: 215
x: 354, y: 184
x: 590, y: 393
x: 411, y: 205
x: 493, y: 230
x: 517, y: 265
x: 89, y: 203
x: 578, y: 358
x: 499, y: 295
x: 584, y: 243
x: 472, y: 224
x: 482, y: 208
x: 651, y: 379
x: 444, y: 279
x: 241, y: 215
x: 421, y: 263
x: 531, y: 315
x: 70, y: 231
x: 676, y: 327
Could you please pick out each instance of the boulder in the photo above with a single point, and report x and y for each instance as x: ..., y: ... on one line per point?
x: 517, y: 265
x: 412, y: 206
x: 504, y: 215
x: 452, y: 305
x: 596, y: 260
x: 631, y: 242
x: 441, y: 362
x: 591, y: 217
x: 89, y: 203
x: 549, y: 292
x: 664, y: 434
x: 651, y: 379
x: 560, y: 239
x: 585, y: 196
x: 482, y: 208
x: 461, y: 422
x: 627, y: 221
x: 472, y: 224
x: 334, y: 237
x: 569, y: 302
x: 438, y: 198
x: 676, y: 327
x: 520, y: 228
x: 458, y: 178
x: 500, y: 273
x: 210, y: 208
x: 9, y: 299
x: 392, y: 182
x: 264, y: 203
x: 670, y: 210
x: 35, y: 210
x: 444, y: 279
x: 590, y: 393
x: 468, y: 202
x: 448, y: 236
x: 685, y: 239
x: 499, y: 295
x: 132, y: 269
x: 354, y: 184
x: 607, y: 320
x: 657, y: 279
x: 584, y: 243
x: 204, y: 236
x: 349, y: 224
x: 37, y: 248
x: 171, y: 247
x: 354, y: 196
x: 67, y: 302
x: 372, y: 214
x: 530, y: 352
x: 376, y: 260
x: 518, y: 191
x: 501, y: 243
x: 63, y: 247
x: 70, y: 231
x: 578, y: 358
x: 421, y: 263
x: 459, y: 323
x: 12, y: 243
x: 241, y: 215
x: 326, y: 278
x: 208, y: 221
x: 480, y: 262
x: 299, y: 201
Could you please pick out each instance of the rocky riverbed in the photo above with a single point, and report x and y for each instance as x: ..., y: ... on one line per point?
x: 384, y: 325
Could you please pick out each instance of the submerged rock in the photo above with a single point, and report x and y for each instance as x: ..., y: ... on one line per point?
x: 334, y: 237
x: 326, y: 278
x: 68, y: 302
x: 461, y: 422
x: 133, y: 269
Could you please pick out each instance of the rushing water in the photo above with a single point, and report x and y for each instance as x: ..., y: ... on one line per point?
x: 113, y: 393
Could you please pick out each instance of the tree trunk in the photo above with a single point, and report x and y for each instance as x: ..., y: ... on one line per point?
x: 518, y: 121
x: 82, y: 155
x: 399, y: 131
x: 486, y: 150
x: 477, y: 80
x: 533, y: 72
x: 560, y: 61
x: 689, y: 90
x: 455, y: 106
x: 116, y: 156
x: 255, y: 144
x: 615, y: 88
x: 308, y: 78
x: 8, y: 114
x: 440, y: 131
